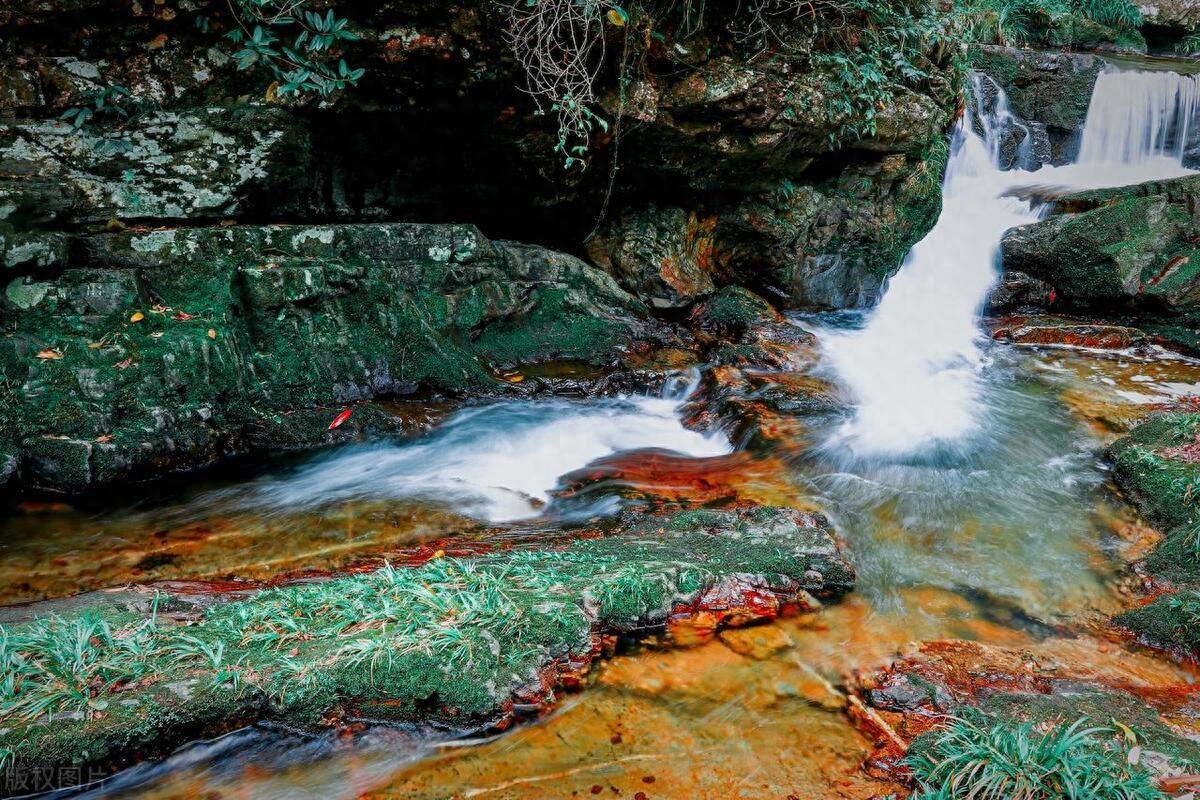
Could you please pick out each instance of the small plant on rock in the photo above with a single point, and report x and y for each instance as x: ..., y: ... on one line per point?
x: 977, y: 757
x: 297, y: 45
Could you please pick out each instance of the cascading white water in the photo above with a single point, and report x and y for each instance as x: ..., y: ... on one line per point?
x: 1136, y: 117
x: 913, y: 369
x: 498, y: 462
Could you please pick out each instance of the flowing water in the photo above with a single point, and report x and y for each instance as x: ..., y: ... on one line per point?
x: 914, y: 369
x: 963, y: 475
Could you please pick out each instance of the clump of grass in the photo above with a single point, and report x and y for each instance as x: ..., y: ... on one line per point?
x: 458, y: 629
x: 980, y: 758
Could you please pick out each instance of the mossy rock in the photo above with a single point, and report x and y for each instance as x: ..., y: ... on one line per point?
x: 171, y: 344
x: 1132, y: 247
x: 454, y: 639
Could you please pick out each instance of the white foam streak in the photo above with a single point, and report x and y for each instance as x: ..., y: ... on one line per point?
x: 498, y: 462
x: 913, y: 370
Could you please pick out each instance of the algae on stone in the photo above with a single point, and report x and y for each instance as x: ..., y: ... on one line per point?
x: 453, y: 638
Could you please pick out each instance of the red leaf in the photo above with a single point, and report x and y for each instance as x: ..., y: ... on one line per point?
x: 340, y: 418
x: 1053, y: 295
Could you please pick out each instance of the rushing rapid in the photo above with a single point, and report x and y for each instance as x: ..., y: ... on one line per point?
x: 913, y: 370
x: 497, y: 462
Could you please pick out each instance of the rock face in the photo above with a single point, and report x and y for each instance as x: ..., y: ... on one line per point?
x: 1131, y: 246
x: 158, y: 350
x: 1048, y: 91
x: 205, y: 163
x: 828, y: 245
x: 156, y: 316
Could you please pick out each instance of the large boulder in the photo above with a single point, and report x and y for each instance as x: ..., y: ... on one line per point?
x: 664, y: 256
x: 1048, y: 91
x: 1130, y: 246
x: 158, y: 350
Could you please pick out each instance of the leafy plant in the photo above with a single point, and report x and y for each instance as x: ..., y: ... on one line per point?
x: 102, y: 103
x: 297, y: 45
x: 1016, y: 22
x: 1186, y: 608
x: 979, y: 758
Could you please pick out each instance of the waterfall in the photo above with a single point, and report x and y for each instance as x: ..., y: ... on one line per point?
x: 1136, y: 117
x: 913, y: 369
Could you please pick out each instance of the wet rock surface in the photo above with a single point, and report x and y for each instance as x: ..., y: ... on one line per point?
x: 1129, y: 247
x: 167, y: 349
x: 1048, y: 91
x: 686, y: 575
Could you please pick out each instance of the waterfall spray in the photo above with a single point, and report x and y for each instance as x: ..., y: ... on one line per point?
x: 913, y: 370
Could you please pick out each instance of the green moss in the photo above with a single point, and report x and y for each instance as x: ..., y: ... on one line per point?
x: 733, y: 311
x: 187, y: 339
x: 1171, y: 622
x: 1154, y: 465
x: 454, y: 637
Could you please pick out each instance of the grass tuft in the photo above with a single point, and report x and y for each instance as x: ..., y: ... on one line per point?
x: 980, y: 758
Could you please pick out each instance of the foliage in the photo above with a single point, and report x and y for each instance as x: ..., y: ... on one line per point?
x: 107, y: 102
x: 1189, y: 44
x: 1017, y: 22
x: 880, y: 48
x: 297, y: 45
x: 980, y: 758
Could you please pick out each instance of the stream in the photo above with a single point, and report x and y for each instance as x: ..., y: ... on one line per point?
x: 965, y: 478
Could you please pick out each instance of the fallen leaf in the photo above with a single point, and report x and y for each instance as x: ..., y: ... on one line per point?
x: 126, y: 364
x: 95, y: 345
x: 340, y: 418
x: 137, y: 317
x: 160, y: 309
x: 212, y: 334
x: 108, y: 437
x: 156, y: 335
x: 181, y: 316
x: 50, y: 354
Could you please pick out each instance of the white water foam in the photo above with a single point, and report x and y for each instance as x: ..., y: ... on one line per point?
x: 498, y: 462
x: 913, y: 370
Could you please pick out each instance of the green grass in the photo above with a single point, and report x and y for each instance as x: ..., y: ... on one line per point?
x: 452, y: 637
x: 1018, y: 22
x: 977, y: 757
x: 1171, y: 622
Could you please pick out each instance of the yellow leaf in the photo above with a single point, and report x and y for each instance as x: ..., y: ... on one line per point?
x: 617, y: 17
x: 212, y: 334
x: 137, y: 317
x: 95, y: 345
x: 50, y: 354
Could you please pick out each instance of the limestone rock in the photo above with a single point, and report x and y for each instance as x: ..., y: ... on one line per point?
x: 205, y: 163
